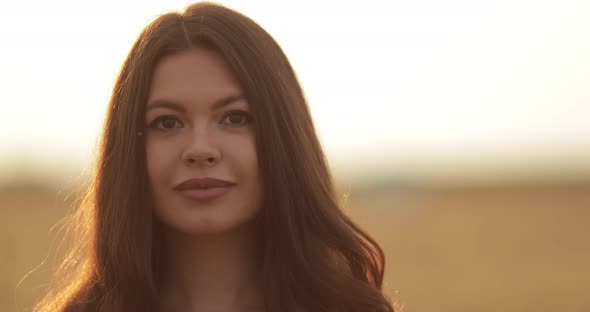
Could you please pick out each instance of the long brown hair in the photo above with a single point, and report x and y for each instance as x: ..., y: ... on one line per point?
x: 315, y: 258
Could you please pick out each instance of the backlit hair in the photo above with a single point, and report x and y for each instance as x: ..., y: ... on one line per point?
x: 315, y: 258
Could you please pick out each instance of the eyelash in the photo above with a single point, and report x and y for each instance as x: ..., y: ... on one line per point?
x: 154, y: 124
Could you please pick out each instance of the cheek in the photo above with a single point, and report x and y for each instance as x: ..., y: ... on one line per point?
x: 158, y: 160
x: 250, y: 168
x: 240, y: 158
x: 245, y: 154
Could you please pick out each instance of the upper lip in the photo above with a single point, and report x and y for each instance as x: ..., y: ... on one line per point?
x: 202, y: 183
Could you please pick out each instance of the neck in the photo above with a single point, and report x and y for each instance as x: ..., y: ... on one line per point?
x: 212, y: 272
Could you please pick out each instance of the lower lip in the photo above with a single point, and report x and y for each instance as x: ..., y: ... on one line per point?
x: 205, y: 194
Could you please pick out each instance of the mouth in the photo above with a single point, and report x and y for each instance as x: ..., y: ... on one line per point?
x: 203, y: 189
x: 205, y: 194
x: 202, y: 184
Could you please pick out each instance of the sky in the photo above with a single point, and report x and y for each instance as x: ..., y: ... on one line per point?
x: 418, y: 88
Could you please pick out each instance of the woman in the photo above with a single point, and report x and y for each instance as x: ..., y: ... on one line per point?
x: 211, y: 190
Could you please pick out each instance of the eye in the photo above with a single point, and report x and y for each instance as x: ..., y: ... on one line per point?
x: 237, y: 118
x: 167, y: 123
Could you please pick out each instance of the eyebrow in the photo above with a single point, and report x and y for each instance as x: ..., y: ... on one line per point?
x: 179, y: 108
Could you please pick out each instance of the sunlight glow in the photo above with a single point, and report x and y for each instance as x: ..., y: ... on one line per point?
x: 421, y: 82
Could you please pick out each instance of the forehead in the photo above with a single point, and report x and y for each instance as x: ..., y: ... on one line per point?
x: 193, y: 76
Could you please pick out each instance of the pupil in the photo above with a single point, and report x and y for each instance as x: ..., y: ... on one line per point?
x: 168, y: 123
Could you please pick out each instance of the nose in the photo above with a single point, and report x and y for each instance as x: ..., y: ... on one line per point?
x: 200, y: 152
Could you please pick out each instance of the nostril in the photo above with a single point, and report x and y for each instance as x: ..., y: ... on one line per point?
x: 204, y: 160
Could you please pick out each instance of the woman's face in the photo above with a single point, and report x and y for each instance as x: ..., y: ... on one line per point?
x: 199, y: 126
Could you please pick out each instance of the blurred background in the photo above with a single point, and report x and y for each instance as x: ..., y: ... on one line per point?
x: 457, y: 131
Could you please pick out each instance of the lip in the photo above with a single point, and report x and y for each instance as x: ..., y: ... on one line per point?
x: 203, y: 189
x: 205, y: 194
x: 201, y: 183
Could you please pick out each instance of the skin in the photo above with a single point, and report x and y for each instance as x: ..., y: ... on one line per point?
x: 212, y: 254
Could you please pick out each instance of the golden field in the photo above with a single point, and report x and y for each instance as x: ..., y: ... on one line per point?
x: 473, y: 248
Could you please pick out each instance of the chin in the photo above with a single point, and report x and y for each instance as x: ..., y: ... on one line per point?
x: 206, y: 224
